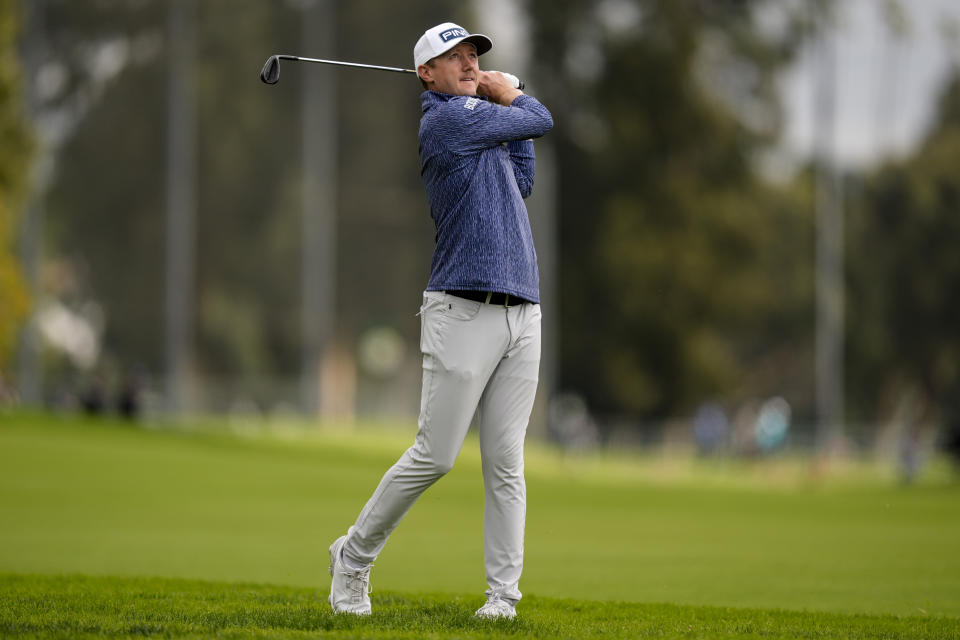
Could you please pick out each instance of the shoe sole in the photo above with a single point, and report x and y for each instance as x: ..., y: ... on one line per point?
x: 501, y: 616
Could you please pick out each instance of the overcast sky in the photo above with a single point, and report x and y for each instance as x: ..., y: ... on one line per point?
x: 887, y: 86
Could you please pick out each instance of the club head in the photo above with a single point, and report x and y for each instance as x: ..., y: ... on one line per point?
x: 270, y: 73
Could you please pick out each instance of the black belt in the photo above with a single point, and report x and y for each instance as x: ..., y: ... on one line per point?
x: 490, y: 297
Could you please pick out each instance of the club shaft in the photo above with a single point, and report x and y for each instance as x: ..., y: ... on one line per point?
x: 347, y: 64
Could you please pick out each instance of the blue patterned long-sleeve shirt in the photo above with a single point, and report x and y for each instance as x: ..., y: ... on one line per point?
x: 477, y: 163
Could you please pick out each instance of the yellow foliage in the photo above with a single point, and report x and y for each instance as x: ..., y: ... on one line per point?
x: 14, y: 304
x: 15, y: 155
x: 14, y: 299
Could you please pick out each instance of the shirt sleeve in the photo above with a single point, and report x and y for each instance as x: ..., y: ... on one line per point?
x: 480, y: 124
x: 524, y: 164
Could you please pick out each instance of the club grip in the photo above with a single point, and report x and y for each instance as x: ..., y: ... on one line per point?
x: 514, y: 80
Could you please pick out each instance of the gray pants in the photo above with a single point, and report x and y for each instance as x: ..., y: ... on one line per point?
x: 477, y: 358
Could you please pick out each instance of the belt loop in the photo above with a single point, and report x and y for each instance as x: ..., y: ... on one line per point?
x: 489, y: 295
x: 506, y: 300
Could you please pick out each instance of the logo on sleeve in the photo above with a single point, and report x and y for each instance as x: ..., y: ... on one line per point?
x: 471, y: 103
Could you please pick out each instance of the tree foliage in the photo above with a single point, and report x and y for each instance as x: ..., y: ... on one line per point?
x: 108, y: 204
x: 15, y: 152
x: 685, y: 275
x: 904, y: 272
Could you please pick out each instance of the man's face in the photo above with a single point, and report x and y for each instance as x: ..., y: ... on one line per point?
x: 454, y: 72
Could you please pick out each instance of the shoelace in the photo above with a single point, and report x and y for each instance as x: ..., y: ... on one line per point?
x: 359, y: 580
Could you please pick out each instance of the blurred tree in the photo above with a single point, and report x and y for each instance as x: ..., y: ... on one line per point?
x: 904, y: 272
x: 685, y: 274
x: 105, y: 110
x: 663, y: 111
x: 107, y: 202
x: 15, y: 152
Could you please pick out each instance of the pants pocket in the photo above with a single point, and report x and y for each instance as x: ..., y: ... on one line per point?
x: 460, y: 309
x: 431, y: 322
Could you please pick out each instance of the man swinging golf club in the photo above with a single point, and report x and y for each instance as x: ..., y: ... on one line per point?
x: 480, y: 318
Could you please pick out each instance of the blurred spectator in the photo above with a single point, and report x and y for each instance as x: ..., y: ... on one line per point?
x: 571, y: 424
x: 129, y: 397
x: 8, y: 394
x: 772, y: 424
x: 952, y: 440
x: 93, y: 398
x: 911, y: 453
x: 951, y: 425
x: 710, y: 428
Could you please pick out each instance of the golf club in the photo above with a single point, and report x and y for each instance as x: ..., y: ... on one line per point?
x: 270, y: 74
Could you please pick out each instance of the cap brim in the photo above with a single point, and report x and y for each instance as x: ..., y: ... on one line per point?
x: 480, y: 41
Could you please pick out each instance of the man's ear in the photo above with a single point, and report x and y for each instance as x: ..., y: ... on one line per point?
x: 425, y: 73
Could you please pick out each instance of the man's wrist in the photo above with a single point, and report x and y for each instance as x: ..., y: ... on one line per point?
x: 508, y: 96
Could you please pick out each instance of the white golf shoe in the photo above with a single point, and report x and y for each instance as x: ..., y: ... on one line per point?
x: 349, y: 588
x: 495, y: 608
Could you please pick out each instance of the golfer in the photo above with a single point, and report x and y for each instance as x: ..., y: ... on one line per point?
x: 480, y: 318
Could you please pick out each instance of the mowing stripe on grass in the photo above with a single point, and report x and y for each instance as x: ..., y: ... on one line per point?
x: 110, y: 498
x: 105, y: 607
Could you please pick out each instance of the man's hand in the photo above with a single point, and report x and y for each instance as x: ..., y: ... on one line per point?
x: 497, y: 87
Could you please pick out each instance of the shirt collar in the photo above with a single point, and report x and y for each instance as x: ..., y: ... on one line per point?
x: 430, y: 99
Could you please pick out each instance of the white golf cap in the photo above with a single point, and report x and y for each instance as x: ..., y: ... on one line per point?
x: 444, y: 37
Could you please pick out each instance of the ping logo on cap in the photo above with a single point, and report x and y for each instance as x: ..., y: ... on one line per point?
x: 450, y: 34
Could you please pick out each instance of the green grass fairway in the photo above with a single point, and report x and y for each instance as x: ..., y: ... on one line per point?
x: 261, y: 506
x: 76, y: 607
